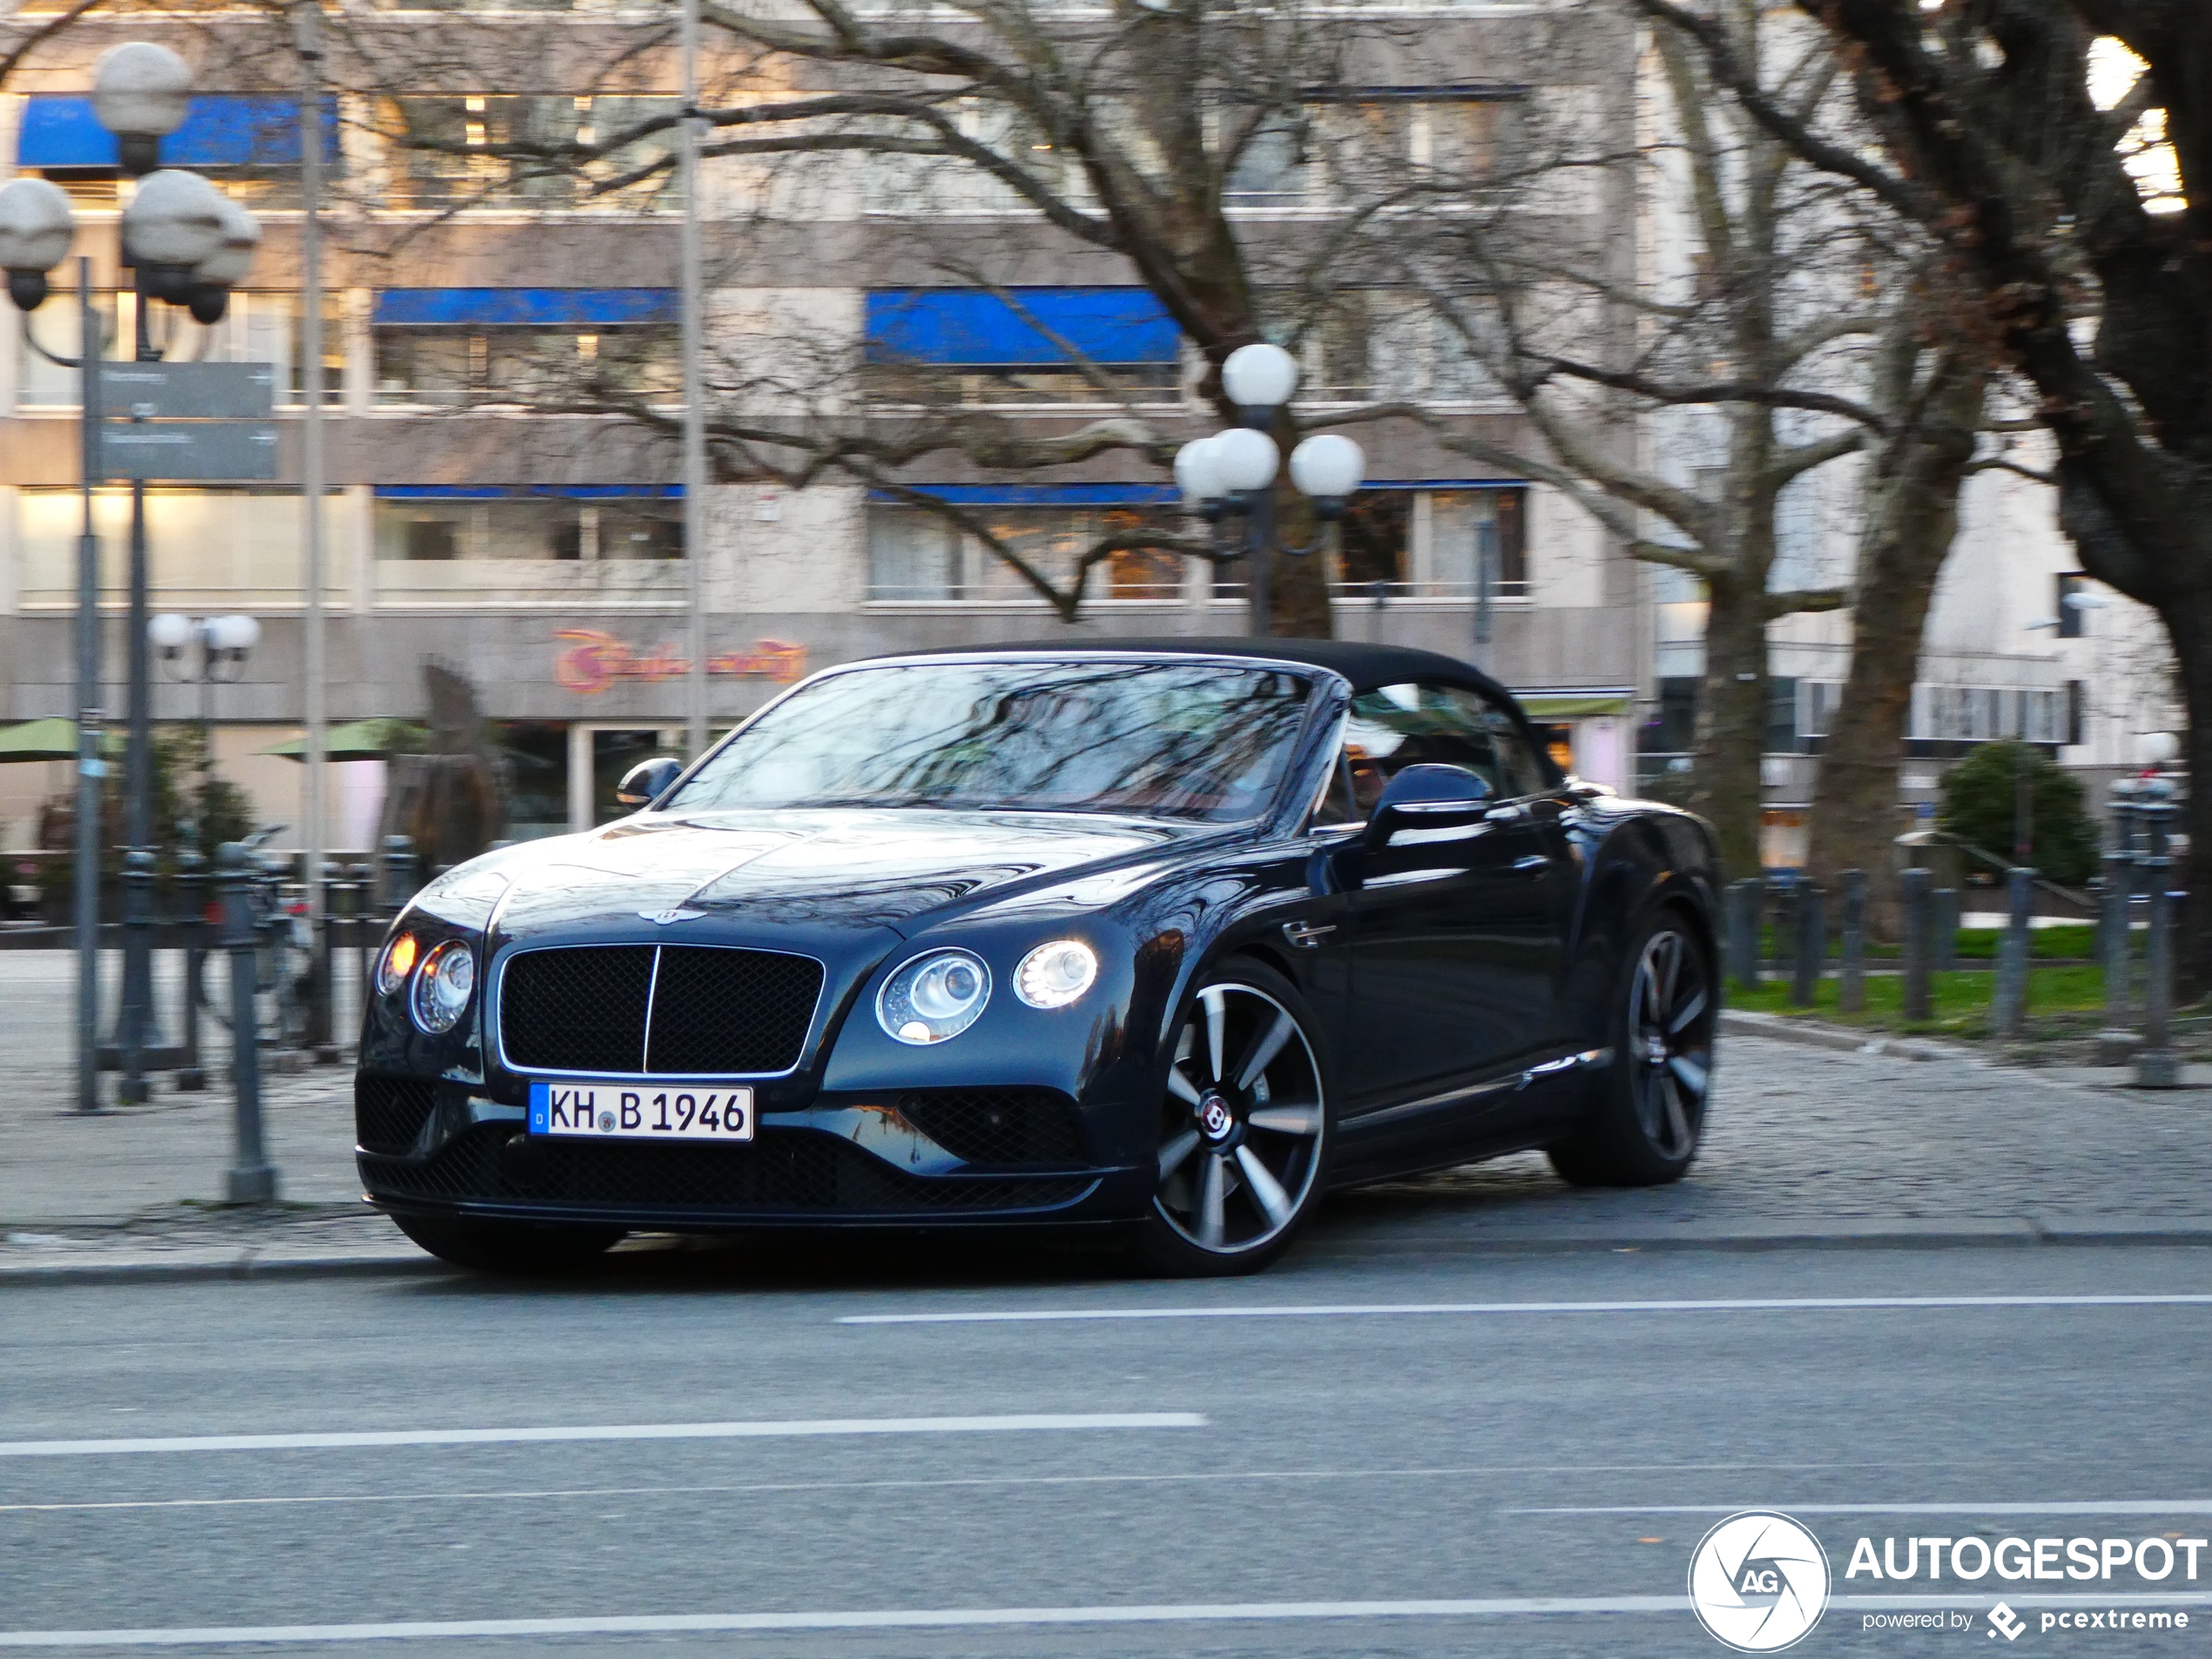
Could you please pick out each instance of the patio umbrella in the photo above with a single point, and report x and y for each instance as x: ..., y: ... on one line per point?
x: 373, y: 740
x: 48, y: 739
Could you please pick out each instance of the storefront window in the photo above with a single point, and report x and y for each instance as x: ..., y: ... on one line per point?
x: 536, y: 754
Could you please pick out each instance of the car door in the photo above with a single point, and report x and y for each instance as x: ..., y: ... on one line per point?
x: 1458, y: 933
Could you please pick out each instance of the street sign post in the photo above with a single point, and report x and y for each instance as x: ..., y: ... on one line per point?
x: 188, y: 391
x: 190, y: 451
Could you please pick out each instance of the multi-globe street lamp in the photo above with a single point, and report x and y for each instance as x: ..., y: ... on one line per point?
x: 1230, y: 476
x: 186, y: 245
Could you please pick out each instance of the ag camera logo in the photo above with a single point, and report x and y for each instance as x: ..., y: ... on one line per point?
x: 1758, y: 1583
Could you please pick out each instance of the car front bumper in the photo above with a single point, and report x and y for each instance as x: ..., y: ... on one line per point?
x: 443, y: 1150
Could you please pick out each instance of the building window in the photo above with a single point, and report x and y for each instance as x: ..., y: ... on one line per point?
x: 526, y: 367
x: 442, y: 149
x: 2071, y: 617
x: 437, y: 528
x: 916, y: 555
x: 228, y: 547
x: 1269, y: 171
x: 1468, y: 527
x: 525, y: 347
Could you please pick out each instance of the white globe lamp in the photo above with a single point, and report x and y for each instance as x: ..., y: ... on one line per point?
x: 216, y: 275
x: 236, y: 633
x: 1260, y: 376
x: 1245, y: 459
x: 1197, y: 473
x: 141, y: 93
x: 1328, y: 467
x: 36, y: 230
x: 175, y: 223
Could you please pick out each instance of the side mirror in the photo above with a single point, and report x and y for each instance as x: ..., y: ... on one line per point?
x: 1428, y: 797
x: 648, y: 780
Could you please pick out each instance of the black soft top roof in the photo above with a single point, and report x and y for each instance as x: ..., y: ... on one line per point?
x: 1366, y: 666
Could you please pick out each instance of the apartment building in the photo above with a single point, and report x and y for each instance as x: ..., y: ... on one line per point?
x: 474, y: 521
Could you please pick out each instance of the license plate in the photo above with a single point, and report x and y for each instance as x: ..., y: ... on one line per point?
x: 629, y: 1112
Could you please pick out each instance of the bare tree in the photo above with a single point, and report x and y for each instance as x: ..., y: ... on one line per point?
x: 2079, y: 224
x: 1682, y: 403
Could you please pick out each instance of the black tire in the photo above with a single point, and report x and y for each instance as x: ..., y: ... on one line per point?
x: 1650, y: 1114
x: 516, y: 1249
x: 1244, y: 1140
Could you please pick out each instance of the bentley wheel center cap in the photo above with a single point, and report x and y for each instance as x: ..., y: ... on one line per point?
x: 1215, y: 1118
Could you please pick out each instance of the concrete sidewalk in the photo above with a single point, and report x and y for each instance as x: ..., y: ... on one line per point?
x: 1806, y: 1145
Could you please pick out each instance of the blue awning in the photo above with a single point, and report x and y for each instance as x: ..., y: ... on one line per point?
x: 529, y: 492
x: 965, y: 325
x: 523, y: 307
x: 1133, y: 495
x: 220, y: 129
x: 1041, y: 495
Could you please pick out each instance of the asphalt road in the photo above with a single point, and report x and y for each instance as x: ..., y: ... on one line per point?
x: 1350, y: 1481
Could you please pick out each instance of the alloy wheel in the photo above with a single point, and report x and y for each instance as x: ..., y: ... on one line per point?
x: 1670, y: 1048
x: 1241, y: 1123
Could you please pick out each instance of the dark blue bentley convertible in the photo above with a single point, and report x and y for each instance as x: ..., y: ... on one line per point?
x: 1166, y: 937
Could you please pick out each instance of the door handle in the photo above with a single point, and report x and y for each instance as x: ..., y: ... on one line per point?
x: 1308, y: 934
x: 1534, y: 864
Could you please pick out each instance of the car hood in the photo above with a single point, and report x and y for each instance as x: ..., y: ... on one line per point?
x: 838, y: 869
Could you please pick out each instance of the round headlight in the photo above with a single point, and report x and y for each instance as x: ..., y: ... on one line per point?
x: 443, y: 986
x: 933, y: 997
x: 1053, y: 975
x: 398, y: 963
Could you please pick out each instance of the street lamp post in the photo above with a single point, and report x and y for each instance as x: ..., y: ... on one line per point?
x: 186, y: 245
x: 1230, y: 477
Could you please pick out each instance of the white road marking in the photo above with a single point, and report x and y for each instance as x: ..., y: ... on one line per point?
x: 1377, y: 1310
x: 972, y: 1618
x: 822, y: 1426
x: 2116, y: 1506
x: 1208, y: 1477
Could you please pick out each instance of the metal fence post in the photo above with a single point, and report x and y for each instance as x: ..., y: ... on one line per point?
x: 2156, y: 1064
x: 2008, y: 1006
x: 1943, y: 930
x: 399, y: 872
x: 1914, y: 894
x: 137, y: 937
x: 364, y: 933
x: 1811, y: 945
x: 250, y: 1179
x: 2116, y: 1044
x: 1745, y: 899
x: 192, y: 904
x: 321, y: 1017
x: 1851, y: 985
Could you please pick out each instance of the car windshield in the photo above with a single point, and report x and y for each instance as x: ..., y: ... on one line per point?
x: 1150, y: 739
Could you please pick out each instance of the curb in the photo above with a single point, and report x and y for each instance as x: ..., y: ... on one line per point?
x: 1810, y: 1035
x: 1905, y: 1233
x: 1894, y: 1233
x: 245, y: 1266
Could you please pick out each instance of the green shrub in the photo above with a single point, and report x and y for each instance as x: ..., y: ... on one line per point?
x: 1979, y: 805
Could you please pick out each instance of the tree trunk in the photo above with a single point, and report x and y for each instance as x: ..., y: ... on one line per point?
x: 2188, y: 621
x: 1302, y: 609
x: 1912, y: 520
x: 1732, y: 722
